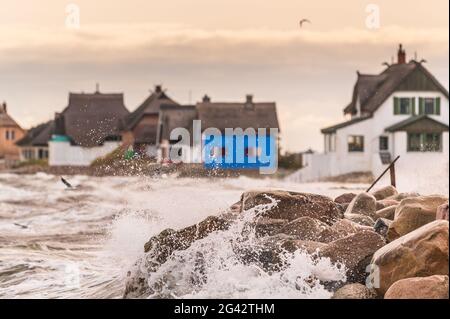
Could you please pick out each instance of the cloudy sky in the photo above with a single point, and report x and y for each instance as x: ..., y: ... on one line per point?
x: 225, y: 48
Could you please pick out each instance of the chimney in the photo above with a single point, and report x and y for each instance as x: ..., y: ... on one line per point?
x: 97, y: 88
x: 401, y: 55
x: 249, y: 102
x: 4, y: 107
x: 158, y: 88
x: 206, y: 99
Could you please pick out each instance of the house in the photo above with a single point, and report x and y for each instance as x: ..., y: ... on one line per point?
x: 10, y: 133
x: 140, y: 128
x: 217, y: 115
x: 34, y: 145
x: 403, y: 111
x: 88, y: 128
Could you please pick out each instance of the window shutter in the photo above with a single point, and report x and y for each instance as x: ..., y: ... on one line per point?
x: 396, y: 105
x: 413, y: 106
x: 421, y: 106
x: 437, y: 105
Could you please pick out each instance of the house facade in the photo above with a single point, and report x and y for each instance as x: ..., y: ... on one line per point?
x: 219, y: 116
x: 140, y: 128
x: 88, y: 128
x: 34, y: 145
x: 10, y: 133
x: 403, y: 111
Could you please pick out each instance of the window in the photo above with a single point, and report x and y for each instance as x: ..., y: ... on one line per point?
x: 13, y: 135
x: 384, y: 143
x: 404, y: 105
x: 7, y: 134
x: 356, y: 143
x: 429, y: 106
x: 424, y: 142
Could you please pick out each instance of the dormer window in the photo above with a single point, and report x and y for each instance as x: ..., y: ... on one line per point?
x: 404, y: 105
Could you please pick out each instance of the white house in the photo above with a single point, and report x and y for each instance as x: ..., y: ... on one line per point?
x: 402, y: 111
x: 88, y: 128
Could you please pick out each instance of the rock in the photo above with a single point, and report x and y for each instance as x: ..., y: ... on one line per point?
x: 360, y: 219
x: 388, y: 212
x: 385, y: 192
x: 381, y: 204
x: 355, y: 252
x: 413, y: 213
x: 354, y: 291
x: 311, y: 247
x: 363, y: 204
x: 310, y: 229
x: 381, y: 226
x: 422, y: 252
x: 442, y: 212
x: 268, y: 227
x: 291, y: 205
x: 433, y: 287
x: 401, y: 196
x: 345, y: 227
x: 345, y: 198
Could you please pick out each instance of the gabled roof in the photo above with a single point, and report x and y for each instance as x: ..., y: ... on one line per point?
x: 175, y: 116
x: 38, y: 135
x: 89, y: 119
x: 151, y: 105
x: 334, y: 128
x: 5, y: 119
x: 237, y: 115
x: 373, y: 90
x: 421, y: 123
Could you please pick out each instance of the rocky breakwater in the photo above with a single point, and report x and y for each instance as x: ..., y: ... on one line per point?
x: 297, y: 245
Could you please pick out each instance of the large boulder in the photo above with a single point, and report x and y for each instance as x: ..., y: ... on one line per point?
x: 363, y: 204
x: 311, y: 247
x: 388, y: 212
x: 401, y: 196
x: 268, y: 226
x: 442, y: 212
x: 355, y: 252
x: 413, y: 213
x: 310, y: 229
x: 345, y: 198
x: 360, y: 219
x: 382, y: 226
x: 432, y: 287
x: 291, y: 205
x: 423, y: 252
x: 345, y: 227
x: 354, y: 291
x: 381, y: 204
x: 385, y: 192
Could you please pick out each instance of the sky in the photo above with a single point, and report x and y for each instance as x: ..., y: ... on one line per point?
x: 223, y: 48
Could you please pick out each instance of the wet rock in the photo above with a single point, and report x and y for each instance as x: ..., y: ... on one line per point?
x: 422, y: 252
x: 401, y: 196
x: 268, y: 227
x: 385, y: 192
x: 345, y: 227
x: 442, y: 212
x: 355, y: 252
x: 354, y: 291
x: 311, y: 247
x: 310, y: 229
x: 360, y: 219
x: 363, y: 204
x: 388, y: 212
x: 432, y: 287
x: 291, y: 205
x: 381, y: 226
x: 413, y: 213
x: 345, y: 198
x: 381, y: 204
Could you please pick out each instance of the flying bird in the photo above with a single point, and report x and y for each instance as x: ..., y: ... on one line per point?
x: 302, y: 21
x: 66, y: 183
x: 21, y: 226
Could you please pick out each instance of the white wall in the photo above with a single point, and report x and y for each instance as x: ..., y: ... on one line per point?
x: 65, y: 154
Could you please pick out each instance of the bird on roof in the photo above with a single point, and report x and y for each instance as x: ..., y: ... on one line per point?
x: 303, y: 21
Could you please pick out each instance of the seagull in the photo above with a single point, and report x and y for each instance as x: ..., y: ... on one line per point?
x: 21, y: 226
x: 66, y: 182
x: 302, y: 21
